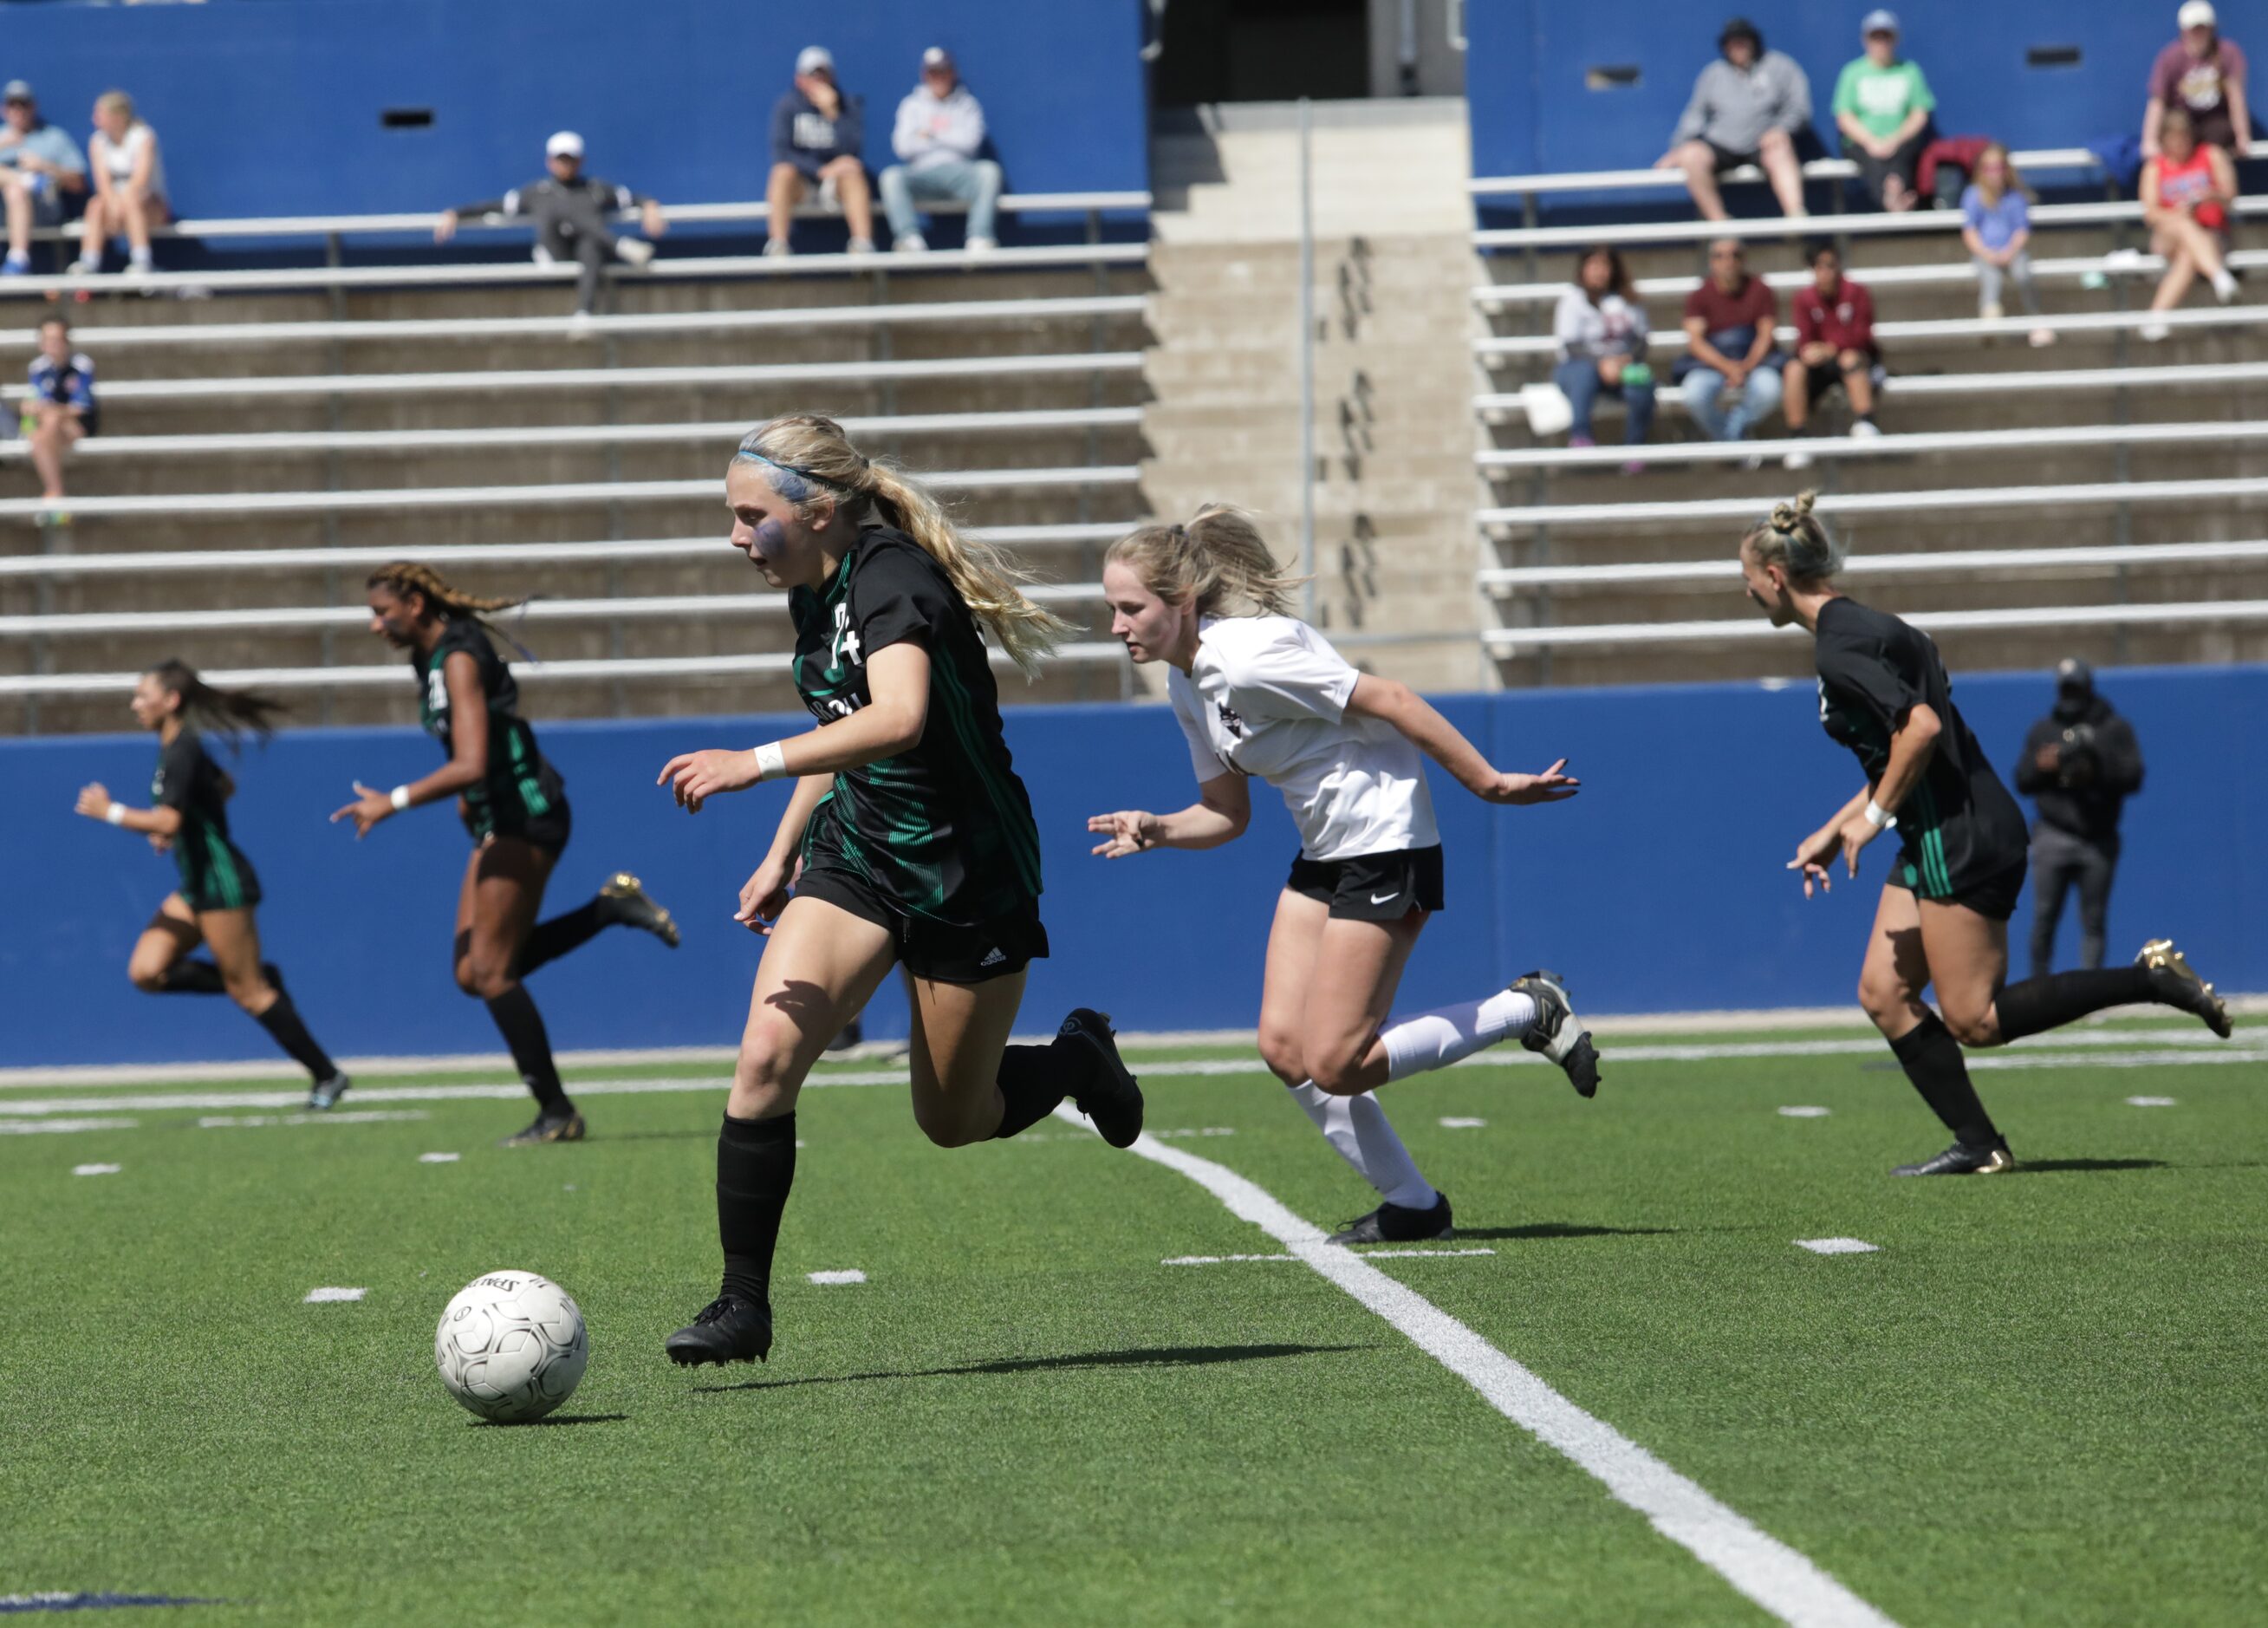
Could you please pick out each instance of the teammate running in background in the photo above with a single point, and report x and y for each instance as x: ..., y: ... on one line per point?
x: 219, y: 894
x: 515, y: 806
x: 1258, y: 692
x: 908, y: 840
x: 1943, y: 917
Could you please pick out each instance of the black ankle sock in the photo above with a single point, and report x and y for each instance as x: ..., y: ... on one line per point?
x: 755, y: 1166
x: 192, y: 977
x: 549, y: 940
x: 1033, y: 1080
x: 521, y: 1025
x: 1932, y: 1060
x: 2039, y: 1004
x: 282, y: 1024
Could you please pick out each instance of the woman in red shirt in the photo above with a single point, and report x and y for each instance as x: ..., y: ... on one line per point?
x: 2186, y: 192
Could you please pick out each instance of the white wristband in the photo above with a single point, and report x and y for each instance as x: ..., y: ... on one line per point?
x: 771, y: 762
x: 1880, y: 818
x: 400, y: 798
x: 115, y: 813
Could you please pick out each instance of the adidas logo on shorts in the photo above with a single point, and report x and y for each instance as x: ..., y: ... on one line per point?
x: 992, y: 957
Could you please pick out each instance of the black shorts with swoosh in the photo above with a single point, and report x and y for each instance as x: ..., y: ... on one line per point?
x: 1372, y: 887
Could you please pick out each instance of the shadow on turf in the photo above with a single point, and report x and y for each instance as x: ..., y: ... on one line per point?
x: 1561, y: 1229
x: 557, y: 1418
x: 2037, y: 1166
x: 1157, y: 1357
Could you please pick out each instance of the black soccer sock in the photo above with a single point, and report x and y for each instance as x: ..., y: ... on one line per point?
x: 521, y: 1025
x: 755, y: 1166
x: 548, y: 941
x: 191, y: 976
x: 282, y: 1024
x: 2061, y: 997
x: 1932, y: 1060
x: 1034, y: 1078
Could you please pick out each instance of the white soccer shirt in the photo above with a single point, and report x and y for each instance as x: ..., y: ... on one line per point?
x: 1267, y: 697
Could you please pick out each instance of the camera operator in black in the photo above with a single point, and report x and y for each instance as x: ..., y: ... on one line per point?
x: 2081, y: 763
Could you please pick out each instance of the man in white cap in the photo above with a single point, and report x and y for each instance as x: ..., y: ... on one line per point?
x: 817, y: 135
x: 571, y: 211
x: 2204, y: 74
x: 40, y: 167
x: 939, y: 131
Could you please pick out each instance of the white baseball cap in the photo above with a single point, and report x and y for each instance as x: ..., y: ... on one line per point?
x: 565, y: 144
x: 937, y: 56
x: 2197, y: 14
x: 812, y: 58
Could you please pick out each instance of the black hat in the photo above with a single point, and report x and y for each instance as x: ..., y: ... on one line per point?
x: 2076, y: 676
x: 1741, y: 28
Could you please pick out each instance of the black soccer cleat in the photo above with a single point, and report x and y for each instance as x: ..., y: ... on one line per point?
x: 1394, y: 1223
x: 1557, y: 1032
x: 728, y: 1329
x: 1112, y: 1100
x: 567, y: 1127
x: 1963, y: 1160
x: 2176, y: 983
x: 325, y: 1093
x: 627, y: 903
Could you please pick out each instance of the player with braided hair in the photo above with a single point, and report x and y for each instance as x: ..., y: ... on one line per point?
x: 908, y: 840
x: 216, y: 905
x: 515, y: 806
x: 1943, y: 916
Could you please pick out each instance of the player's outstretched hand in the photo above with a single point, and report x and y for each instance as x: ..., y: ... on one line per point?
x: 693, y: 777
x: 765, y: 894
x: 1129, y: 830
x: 1812, y: 855
x: 369, y: 807
x: 94, y: 800
x: 1551, y: 786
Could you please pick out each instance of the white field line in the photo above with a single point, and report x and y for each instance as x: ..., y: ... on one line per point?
x: 1803, y: 1111
x: 95, y: 1169
x: 324, y: 1297
x: 63, y: 1127
x: 2175, y: 1049
x: 2150, y: 1101
x: 848, y: 1274
x: 1783, y: 1582
x: 1838, y: 1246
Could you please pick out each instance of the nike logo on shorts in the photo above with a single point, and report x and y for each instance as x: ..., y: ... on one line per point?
x: 1382, y: 898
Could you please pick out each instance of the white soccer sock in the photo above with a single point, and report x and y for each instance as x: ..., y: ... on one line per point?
x: 1357, y: 1127
x: 1436, y: 1039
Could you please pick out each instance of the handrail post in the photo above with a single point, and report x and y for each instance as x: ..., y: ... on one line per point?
x: 1307, y: 363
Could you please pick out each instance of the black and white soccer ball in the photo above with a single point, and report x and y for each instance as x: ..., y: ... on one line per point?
x: 511, y: 1346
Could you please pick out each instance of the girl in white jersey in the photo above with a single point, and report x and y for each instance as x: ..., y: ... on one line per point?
x: 1259, y: 693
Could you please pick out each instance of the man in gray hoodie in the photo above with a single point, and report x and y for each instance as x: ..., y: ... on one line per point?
x: 939, y: 131
x: 1748, y: 108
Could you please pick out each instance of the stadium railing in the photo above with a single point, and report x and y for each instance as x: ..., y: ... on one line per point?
x: 1716, y: 511
x: 725, y: 433
x: 1513, y: 641
x: 1529, y: 188
x: 2047, y: 217
x: 1505, y: 579
x: 1501, y: 463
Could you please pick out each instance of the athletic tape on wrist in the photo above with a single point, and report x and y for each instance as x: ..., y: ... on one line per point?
x: 1880, y: 818
x: 771, y: 762
x: 400, y: 798
x: 115, y: 813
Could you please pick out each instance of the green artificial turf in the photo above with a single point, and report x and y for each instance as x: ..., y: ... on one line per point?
x: 2042, y: 1400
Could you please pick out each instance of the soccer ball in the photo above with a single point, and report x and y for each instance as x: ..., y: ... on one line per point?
x: 511, y: 1346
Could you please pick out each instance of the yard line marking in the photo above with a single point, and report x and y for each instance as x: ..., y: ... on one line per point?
x: 1778, y: 1578
x: 1804, y: 1112
x: 322, y: 1297
x: 1215, y: 1260
x: 94, y: 1169
x: 1417, y: 1255
x: 848, y: 1275
x: 31, y: 1127
x: 233, y: 1122
x: 1455, y: 1123
x: 2150, y: 1101
x: 1838, y: 1246
x: 439, y: 1158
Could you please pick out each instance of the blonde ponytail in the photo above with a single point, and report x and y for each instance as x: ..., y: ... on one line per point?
x: 807, y: 457
x: 1797, y: 541
x: 1217, y: 562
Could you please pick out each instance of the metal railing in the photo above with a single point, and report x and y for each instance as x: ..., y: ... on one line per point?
x: 1506, y: 642
x: 1715, y: 510
x: 1501, y: 463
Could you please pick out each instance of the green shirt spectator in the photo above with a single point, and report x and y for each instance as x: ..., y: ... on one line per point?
x: 1881, y: 99
x: 1881, y: 105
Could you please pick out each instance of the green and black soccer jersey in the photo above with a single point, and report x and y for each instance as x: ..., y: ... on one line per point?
x: 215, y: 873
x: 520, y: 790
x: 945, y: 830
x: 1958, y: 826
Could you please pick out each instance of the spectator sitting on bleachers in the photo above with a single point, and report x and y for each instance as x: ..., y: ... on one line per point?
x: 1747, y: 108
x: 2204, y: 74
x: 817, y: 134
x: 1730, y: 323
x: 1834, y: 344
x: 1882, y: 106
x: 939, y: 131
x: 129, y: 195
x: 570, y: 211
x: 1600, y: 328
x: 1997, y: 226
x: 2186, y: 192
x: 60, y: 408
x: 38, y: 164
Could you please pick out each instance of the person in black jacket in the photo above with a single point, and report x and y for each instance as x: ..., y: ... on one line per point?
x: 570, y: 211
x: 2080, y: 764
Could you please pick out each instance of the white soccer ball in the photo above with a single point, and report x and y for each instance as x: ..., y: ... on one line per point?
x: 511, y: 1346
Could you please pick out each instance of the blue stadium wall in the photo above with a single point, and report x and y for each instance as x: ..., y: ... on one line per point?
x: 1660, y: 888
x: 272, y: 107
x: 1527, y: 63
